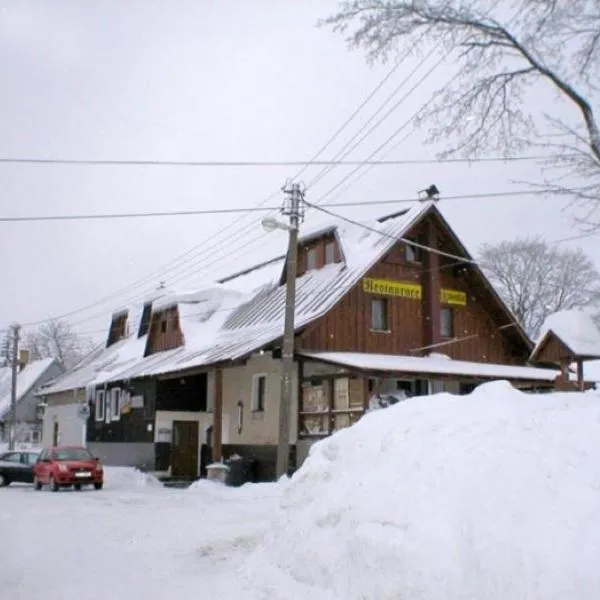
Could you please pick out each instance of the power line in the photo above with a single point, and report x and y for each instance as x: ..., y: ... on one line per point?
x: 274, y: 163
x: 186, y: 255
x: 218, y: 211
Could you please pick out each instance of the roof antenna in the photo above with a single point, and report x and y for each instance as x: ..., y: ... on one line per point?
x: 431, y: 193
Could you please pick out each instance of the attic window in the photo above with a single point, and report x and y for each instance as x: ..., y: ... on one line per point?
x: 413, y: 254
x: 311, y: 259
x: 145, y: 322
x: 163, y: 326
x: 329, y: 253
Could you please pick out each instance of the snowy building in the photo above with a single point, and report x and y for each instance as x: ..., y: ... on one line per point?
x: 30, y: 376
x: 184, y: 379
x: 568, y: 337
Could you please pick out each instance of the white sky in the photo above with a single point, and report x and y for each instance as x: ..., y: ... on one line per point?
x: 187, y: 80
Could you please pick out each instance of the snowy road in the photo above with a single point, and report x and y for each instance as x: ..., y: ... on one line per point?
x: 128, y: 542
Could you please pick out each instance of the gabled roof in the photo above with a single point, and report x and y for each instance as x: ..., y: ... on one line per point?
x: 242, y: 313
x: 27, y: 379
x: 575, y: 329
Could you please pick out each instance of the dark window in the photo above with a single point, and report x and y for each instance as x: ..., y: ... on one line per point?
x: 330, y: 253
x: 379, y: 314
x: 447, y: 322
x: 163, y: 326
x: 413, y: 254
x: 31, y: 458
x: 259, y: 389
x: 72, y: 454
x: 145, y: 322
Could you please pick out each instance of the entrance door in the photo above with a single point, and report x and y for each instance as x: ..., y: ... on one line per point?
x: 184, y: 449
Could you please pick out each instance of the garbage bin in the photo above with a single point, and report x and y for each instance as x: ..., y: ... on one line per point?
x: 240, y: 470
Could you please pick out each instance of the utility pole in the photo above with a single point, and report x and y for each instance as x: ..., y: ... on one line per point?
x: 293, y: 208
x: 13, y: 388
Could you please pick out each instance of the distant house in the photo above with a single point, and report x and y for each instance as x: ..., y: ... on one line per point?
x: 30, y: 376
x: 188, y: 378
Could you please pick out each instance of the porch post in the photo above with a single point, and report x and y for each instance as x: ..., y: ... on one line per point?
x: 217, y: 435
x: 580, y: 377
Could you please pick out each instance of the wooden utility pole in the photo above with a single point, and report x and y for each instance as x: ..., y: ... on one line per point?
x: 13, y: 388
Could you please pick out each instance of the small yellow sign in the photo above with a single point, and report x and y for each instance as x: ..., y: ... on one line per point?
x: 414, y: 291
x: 454, y: 297
x: 389, y: 287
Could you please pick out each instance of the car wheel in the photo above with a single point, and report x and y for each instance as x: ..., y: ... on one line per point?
x: 4, y: 480
x: 77, y: 486
x: 97, y: 486
x: 53, y: 485
x: 37, y: 484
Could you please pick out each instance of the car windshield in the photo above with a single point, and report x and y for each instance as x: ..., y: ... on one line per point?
x: 72, y: 454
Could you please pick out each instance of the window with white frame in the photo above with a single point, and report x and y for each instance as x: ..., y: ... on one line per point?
x: 107, y: 406
x: 99, y: 406
x: 329, y: 253
x: 259, y: 392
x: 115, y: 410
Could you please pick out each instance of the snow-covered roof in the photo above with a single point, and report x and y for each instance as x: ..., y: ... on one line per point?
x: 231, y: 319
x: 433, y: 364
x: 27, y: 379
x: 575, y: 329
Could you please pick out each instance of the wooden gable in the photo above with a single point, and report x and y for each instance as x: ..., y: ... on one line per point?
x: 164, y: 332
x: 552, y: 351
x: 420, y: 290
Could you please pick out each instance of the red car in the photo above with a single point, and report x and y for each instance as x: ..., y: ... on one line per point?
x: 65, y: 466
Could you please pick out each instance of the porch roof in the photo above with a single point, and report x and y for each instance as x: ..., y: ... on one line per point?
x: 432, y: 365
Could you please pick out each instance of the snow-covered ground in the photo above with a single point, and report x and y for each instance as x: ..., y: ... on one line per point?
x: 491, y: 496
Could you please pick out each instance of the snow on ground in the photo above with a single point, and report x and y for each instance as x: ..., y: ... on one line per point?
x: 491, y: 496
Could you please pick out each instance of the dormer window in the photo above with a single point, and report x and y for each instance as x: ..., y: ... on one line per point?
x: 311, y: 259
x: 329, y: 253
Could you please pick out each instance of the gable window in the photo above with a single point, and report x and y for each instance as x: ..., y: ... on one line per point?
x: 99, y: 406
x: 259, y: 392
x: 413, y: 254
x: 379, y: 314
x: 329, y: 253
x: 311, y: 259
x: 447, y: 322
x: 115, y: 410
x: 163, y: 326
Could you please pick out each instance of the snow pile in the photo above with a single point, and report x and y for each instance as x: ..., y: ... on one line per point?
x: 129, y: 478
x: 495, y: 495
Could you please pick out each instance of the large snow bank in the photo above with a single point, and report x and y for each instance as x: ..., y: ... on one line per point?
x: 124, y: 478
x: 495, y: 495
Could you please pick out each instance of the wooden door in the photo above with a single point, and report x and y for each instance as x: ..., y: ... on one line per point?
x: 184, y: 449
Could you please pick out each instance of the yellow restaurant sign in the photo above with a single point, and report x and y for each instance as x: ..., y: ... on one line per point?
x: 405, y: 289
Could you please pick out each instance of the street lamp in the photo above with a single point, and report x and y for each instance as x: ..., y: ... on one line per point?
x: 293, y: 208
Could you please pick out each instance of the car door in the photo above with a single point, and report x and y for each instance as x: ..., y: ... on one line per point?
x: 41, y: 466
x: 29, y: 459
x: 10, y: 465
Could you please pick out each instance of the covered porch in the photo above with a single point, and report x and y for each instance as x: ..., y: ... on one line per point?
x: 336, y: 387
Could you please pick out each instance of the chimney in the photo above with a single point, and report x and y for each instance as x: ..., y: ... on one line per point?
x: 23, y: 359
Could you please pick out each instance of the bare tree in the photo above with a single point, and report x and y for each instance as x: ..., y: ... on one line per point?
x: 500, y: 50
x: 536, y: 279
x: 57, y: 339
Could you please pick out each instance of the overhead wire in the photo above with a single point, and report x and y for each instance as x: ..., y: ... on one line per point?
x: 185, y: 256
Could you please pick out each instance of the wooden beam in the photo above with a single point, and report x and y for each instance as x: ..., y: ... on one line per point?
x: 431, y: 291
x: 217, y: 441
x: 580, y: 378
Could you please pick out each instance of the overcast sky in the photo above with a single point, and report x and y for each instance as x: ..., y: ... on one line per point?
x: 188, y: 80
